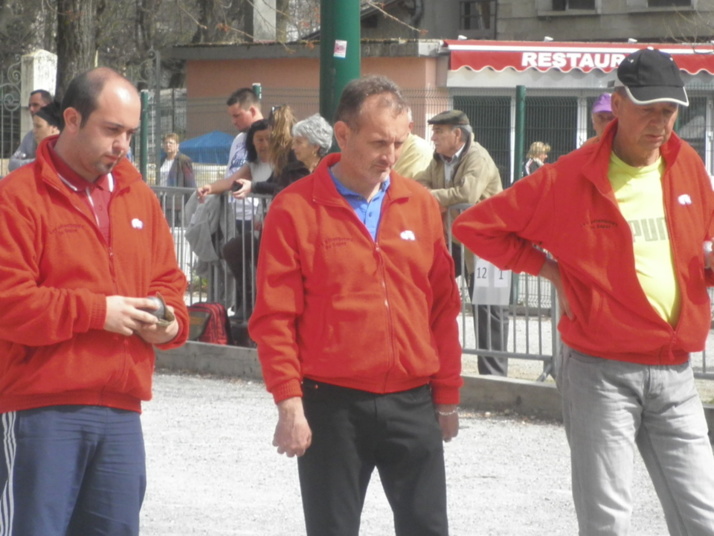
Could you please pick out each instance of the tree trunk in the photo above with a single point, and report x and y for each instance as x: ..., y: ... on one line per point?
x: 76, y: 46
x: 146, y: 24
x: 282, y: 19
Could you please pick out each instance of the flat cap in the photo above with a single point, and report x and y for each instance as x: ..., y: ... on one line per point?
x: 449, y: 117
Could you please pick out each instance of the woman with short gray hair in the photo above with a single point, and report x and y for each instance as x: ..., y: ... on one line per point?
x: 312, y: 139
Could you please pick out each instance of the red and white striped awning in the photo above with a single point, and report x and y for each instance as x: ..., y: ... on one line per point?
x: 566, y: 57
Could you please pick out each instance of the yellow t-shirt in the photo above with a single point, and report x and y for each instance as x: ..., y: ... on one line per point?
x: 639, y: 195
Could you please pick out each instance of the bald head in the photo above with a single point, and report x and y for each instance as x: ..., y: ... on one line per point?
x: 101, y: 112
x: 84, y: 90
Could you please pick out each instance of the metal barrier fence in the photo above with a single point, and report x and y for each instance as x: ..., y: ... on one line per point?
x: 202, y: 231
x: 10, y: 110
x: 528, y: 304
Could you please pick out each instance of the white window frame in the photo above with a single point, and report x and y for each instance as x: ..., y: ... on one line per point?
x: 544, y: 8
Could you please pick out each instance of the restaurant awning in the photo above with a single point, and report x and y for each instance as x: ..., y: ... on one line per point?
x: 565, y: 57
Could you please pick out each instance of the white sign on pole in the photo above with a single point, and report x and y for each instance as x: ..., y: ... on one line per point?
x: 492, y: 286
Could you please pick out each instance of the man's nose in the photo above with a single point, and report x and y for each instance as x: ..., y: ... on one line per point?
x: 121, y: 143
x: 391, y: 154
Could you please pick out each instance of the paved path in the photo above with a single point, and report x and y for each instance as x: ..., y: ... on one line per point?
x: 212, y: 471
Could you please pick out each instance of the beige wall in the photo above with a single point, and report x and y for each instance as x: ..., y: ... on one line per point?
x: 295, y: 81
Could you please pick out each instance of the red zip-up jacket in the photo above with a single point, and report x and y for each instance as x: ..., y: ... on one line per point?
x: 336, y: 306
x: 569, y: 209
x: 56, y: 271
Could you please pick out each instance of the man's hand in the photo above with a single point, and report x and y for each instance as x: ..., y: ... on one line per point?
x: 202, y: 192
x: 292, y: 433
x: 159, y: 334
x: 126, y: 317
x: 448, y: 416
x: 551, y: 271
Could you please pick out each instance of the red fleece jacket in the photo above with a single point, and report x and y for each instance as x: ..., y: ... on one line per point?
x: 569, y: 209
x: 56, y: 270
x: 335, y: 306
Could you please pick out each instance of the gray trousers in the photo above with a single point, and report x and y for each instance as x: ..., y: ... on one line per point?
x: 610, y: 409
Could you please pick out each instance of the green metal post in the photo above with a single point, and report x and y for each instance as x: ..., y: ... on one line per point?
x: 518, y: 168
x: 157, y: 113
x: 518, y: 152
x: 144, y: 135
x: 340, y: 53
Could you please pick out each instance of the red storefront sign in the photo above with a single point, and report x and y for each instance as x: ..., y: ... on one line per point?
x: 566, y: 57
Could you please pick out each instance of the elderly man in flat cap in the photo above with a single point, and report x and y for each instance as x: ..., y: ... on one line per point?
x: 627, y: 222
x: 461, y: 172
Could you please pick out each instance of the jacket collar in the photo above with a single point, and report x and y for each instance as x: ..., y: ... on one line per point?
x: 124, y: 172
x: 598, y: 163
x: 462, y: 152
x: 325, y: 192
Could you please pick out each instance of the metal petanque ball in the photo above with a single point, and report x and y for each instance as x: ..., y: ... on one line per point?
x: 160, y: 312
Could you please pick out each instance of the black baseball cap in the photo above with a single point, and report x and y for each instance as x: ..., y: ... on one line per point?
x: 651, y: 76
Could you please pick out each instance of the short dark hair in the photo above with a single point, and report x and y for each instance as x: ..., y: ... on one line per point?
x: 44, y: 94
x: 359, y: 90
x: 244, y: 96
x: 51, y: 114
x: 84, y: 89
x: 257, y: 126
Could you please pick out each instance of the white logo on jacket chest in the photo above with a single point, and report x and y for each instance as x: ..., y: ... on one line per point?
x: 684, y: 199
x: 136, y: 223
x: 407, y: 235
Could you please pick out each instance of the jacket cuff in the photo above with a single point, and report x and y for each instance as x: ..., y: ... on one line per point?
x: 533, y: 262
x: 290, y: 389
x: 441, y: 394
x: 97, y: 311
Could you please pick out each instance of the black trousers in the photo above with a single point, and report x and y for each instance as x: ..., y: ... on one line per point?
x: 490, y: 326
x: 241, y: 255
x: 355, y: 431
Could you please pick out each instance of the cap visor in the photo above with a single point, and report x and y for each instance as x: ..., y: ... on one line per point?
x: 654, y: 94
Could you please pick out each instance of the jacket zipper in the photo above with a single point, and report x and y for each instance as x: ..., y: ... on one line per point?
x: 378, y: 253
x: 665, y: 201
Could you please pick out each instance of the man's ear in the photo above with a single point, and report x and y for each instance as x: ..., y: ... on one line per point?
x: 459, y: 134
x: 72, y: 119
x: 616, y: 102
x: 342, y: 133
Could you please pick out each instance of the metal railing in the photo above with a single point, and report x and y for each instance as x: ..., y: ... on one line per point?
x: 529, y: 309
x: 201, y: 241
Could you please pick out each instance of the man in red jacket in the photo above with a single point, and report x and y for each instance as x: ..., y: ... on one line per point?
x: 83, y: 245
x: 626, y: 220
x: 356, y: 327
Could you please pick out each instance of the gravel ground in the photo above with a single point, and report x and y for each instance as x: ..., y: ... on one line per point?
x: 212, y: 471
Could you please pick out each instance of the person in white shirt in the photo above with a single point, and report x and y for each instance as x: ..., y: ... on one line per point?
x: 176, y: 168
x: 244, y: 110
x: 240, y: 253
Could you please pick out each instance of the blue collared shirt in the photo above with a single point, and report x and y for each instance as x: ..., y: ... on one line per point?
x: 368, y: 212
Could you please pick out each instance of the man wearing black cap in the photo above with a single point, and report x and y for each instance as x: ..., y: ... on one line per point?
x: 628, y: 223
x: 462, y: 172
